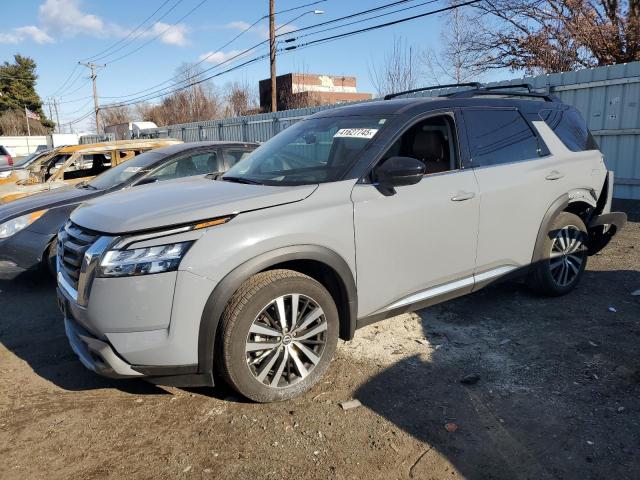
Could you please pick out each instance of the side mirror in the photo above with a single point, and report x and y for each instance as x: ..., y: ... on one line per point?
x: 399, y: 172
x: 146, y: 181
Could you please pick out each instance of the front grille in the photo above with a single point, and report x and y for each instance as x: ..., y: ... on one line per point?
x: 73, y: 242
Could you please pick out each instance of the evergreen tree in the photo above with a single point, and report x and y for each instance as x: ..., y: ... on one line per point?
x: 18, y: 89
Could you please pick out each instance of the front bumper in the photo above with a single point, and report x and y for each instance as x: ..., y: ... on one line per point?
x: 25, y: 249
x: 602, y: 228
x: 95, y: 354
x: 106, y: 353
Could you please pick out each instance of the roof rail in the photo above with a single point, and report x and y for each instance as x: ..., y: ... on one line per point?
x: 496, y: 91
x: 476, y: 85
x: 528, y: 86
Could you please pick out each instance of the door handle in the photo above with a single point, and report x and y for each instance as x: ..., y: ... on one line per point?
x: 462, y: 196
x: 554, y: 175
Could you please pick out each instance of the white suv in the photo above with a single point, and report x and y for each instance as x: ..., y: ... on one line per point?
x: 353, y: 215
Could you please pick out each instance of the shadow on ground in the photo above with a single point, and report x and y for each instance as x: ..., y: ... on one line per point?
x: 556, y: 379
x: 32, y: 328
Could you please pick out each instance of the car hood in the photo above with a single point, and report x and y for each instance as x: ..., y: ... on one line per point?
x: 177, y: 202
x: 46, y: 200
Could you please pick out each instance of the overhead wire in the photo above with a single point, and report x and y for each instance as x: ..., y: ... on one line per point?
x: 218, y: 50
x: 304, y: 45
x: 99, y: 54
x: 155, y: 37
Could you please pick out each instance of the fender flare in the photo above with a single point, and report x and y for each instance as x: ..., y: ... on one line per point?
x: 559, y: 205
x: 223, y: 291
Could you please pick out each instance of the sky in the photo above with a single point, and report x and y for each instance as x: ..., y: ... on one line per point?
x: 59, y: 33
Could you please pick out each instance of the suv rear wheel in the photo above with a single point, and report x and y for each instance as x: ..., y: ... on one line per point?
x: 565, y: 256
x: 279, y: 332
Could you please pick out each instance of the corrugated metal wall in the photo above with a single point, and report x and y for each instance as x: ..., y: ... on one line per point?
x: 607, y: 97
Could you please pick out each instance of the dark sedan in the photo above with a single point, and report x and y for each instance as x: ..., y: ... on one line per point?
x: 28, y: 226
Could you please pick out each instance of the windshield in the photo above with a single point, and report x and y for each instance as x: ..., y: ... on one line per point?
x: 27, y: 160
x: 311, y: 151
x: 119, y: 174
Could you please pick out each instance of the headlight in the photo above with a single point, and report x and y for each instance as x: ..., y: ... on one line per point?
x: 13, y: 226
x: 142, y: 261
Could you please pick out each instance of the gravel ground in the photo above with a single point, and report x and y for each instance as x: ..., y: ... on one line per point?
x: 552, y: 391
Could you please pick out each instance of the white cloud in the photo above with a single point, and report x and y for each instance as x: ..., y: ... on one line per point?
x: 18, y: 35
x: 64, y: 17
x: 170, y: 34
x: 261, y: 30
x: 219, y: 57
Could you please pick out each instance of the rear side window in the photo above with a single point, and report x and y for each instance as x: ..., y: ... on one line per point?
x: 571, y: 128
x: 499, y: 136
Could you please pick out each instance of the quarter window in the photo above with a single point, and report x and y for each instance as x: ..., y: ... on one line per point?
x: 569, y: 126
x: 499, y: 136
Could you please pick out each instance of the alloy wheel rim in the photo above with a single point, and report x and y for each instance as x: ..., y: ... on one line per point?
x: 286, y: 340
x: 567, y: 255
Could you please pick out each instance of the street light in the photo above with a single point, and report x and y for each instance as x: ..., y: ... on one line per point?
x: 315, y: 12
x: 272, y: 47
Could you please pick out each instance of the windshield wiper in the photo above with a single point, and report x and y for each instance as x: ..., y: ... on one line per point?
x: 241, y: 180
x: 86, y: 186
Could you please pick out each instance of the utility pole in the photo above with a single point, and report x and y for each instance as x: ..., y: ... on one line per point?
x: 55, y: 106
x: 96, y: 108
x: 272, y: 55
x: 51, y: 111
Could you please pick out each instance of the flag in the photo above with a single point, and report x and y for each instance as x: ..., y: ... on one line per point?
x: 31, y: 115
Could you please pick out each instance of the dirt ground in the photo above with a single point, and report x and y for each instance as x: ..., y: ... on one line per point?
x: 558, y: 395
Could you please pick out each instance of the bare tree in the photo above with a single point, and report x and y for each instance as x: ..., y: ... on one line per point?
x: 397, y: 72
x: 116, y: 115
x: 541, y: 36
x: 195, y: 101
x: 14, y: 122
x: 240, y: 98
x: 456, y: 61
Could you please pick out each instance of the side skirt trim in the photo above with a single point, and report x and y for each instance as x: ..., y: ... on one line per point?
x: 450, y: 287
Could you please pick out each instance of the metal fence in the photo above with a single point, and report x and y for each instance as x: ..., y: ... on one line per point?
x: 607, y: 97
x: 86, y: 139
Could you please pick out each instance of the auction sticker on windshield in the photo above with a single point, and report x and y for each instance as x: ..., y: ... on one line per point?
x: 356, y: 133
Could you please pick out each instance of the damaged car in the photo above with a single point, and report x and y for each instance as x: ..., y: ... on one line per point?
x: 73, y: 164
x: 28, y: 226
x: 350, y: 216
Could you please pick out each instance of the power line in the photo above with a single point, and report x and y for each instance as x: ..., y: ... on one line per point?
x: 382, y: 25
x: 61, y: 90
x: 77, y: 89
x: 66, y: 91
x: 292, y: 39
x: 352, y: 15
x: 65, y: 82
x: 244, y: 52
x: 99, y: 54
x: 307, y: 44
x: 219, y: 49
x: 156, y: 36
x: 297, y: 8
x: 195, y: 65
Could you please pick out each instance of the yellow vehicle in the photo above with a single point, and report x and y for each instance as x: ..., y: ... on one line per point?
x: 74, y: 164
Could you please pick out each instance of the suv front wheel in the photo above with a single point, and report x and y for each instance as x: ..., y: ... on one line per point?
x: 278, y: 334
x: 565, y: 256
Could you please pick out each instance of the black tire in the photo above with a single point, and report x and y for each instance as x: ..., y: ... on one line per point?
x: 558, y: 273
x: 49, y: 266
x: 254, y: 306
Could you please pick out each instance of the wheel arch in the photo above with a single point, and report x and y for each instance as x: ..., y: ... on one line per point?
x: 320, y: 263
x: 573, y: 202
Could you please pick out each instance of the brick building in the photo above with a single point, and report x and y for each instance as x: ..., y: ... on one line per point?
x: 297, y: 90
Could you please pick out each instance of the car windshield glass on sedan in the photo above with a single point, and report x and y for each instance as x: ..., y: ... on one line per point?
x: 311, y: 151
x: 119, y: 174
